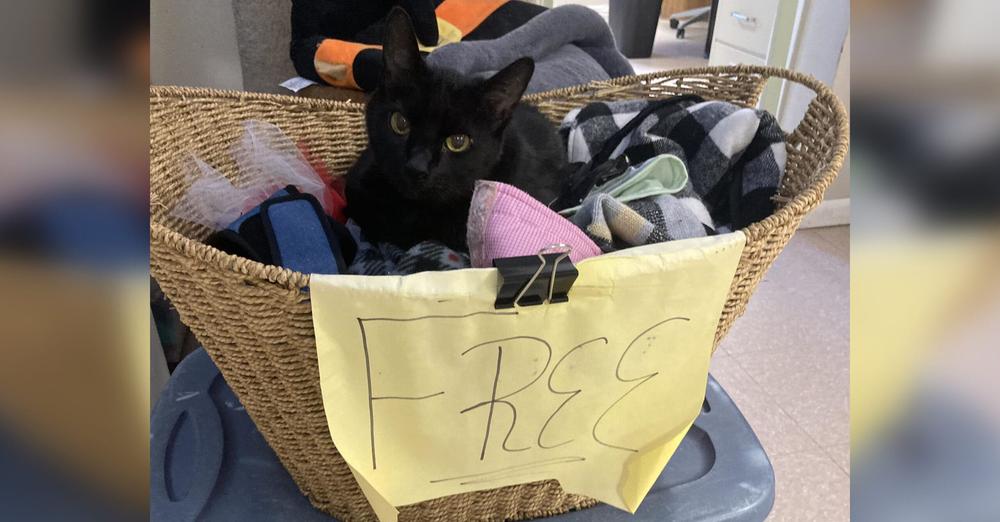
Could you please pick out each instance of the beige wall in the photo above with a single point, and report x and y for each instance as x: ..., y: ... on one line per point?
x: 193, y: 42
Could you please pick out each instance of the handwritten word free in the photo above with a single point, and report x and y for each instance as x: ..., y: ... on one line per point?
x: 529, y: 395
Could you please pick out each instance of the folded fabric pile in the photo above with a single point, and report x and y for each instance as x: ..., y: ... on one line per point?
x: 614, y: 224
x: 735, y: 159
x: 647, y: 203
x: 646, y: 171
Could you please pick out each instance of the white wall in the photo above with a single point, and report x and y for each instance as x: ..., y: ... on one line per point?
x: 841, y: 188
x: 817, y: 46
x: 193, y: 43
x: 820, y: 47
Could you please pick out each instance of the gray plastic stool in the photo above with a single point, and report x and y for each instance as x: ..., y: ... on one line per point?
x: 208, y: 462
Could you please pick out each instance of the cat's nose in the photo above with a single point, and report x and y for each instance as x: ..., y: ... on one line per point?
x: 419, y: 161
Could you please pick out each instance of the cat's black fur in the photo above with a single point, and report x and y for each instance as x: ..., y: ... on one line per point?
x: 407, y: 189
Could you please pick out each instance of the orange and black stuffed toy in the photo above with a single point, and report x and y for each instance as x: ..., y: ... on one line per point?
x: 339, y: 42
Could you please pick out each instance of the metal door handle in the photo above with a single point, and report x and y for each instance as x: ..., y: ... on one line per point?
x: 742, y: 17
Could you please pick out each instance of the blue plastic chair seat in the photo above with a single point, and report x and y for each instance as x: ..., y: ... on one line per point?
x: 208, y: 462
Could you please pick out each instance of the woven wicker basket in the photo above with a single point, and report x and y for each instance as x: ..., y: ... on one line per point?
x: 256, y: 321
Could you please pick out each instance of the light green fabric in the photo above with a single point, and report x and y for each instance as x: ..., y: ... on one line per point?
x: 663, y: 174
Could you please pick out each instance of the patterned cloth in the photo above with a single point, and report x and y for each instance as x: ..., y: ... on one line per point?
x: 664, y: 174
x: 735, y: 156
x: 614, y: 224
x: 648, y: 203
x: 505, y: 221
x: 389, y: 259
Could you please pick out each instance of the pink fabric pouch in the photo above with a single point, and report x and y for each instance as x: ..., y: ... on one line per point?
x: 505, y: 221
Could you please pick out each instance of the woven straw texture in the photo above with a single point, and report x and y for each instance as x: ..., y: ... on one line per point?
x: 255, y: 320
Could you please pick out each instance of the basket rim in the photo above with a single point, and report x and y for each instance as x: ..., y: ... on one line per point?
x: 802, y: 202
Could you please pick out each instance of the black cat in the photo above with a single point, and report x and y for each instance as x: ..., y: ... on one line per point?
x: 432, y: 135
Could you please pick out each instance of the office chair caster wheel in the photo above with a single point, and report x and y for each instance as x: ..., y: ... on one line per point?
x: 674, y: 23
x: 680, y: 34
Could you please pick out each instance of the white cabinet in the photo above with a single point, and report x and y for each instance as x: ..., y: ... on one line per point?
x: 724, y: 54
x: 803, y: 35
x: 746, y: 25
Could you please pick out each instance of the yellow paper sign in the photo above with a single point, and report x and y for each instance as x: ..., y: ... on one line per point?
x: 429, y: 391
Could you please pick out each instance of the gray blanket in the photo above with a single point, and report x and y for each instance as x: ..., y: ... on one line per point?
x: 571, y: 45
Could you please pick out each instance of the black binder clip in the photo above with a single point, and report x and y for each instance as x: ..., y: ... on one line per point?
x: 533, y: 280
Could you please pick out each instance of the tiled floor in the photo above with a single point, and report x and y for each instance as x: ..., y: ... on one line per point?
x: 785, y: 364
x: 669, y: 52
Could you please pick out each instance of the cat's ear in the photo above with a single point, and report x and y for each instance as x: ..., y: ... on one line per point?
x: 502, y: 92
x: 401, y: 60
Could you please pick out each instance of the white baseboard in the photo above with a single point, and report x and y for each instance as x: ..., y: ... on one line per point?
x: 829, y: 213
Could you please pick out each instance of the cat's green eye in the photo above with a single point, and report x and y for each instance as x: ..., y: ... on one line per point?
x: 458, y: 142
x: 400, y: 125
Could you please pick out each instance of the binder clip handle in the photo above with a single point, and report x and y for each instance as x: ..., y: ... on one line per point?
x: 521, y: 278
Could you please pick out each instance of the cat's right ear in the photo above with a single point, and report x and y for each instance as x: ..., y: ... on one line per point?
x: 502, y: 92
x: 401, y: 61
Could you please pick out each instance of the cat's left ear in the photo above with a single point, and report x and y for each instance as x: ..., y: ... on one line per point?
x: 502, y: 92
x: 401, y: 61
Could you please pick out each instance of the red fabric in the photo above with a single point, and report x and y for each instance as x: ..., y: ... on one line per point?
x: 338, y: 205
x: 334, y: 201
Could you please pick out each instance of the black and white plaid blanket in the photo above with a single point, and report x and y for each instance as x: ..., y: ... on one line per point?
x: 735, y: 156
x: 389, y: 259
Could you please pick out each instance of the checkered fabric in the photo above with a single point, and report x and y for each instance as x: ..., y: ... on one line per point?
x: 389, y: 259
x: 735, y: 156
